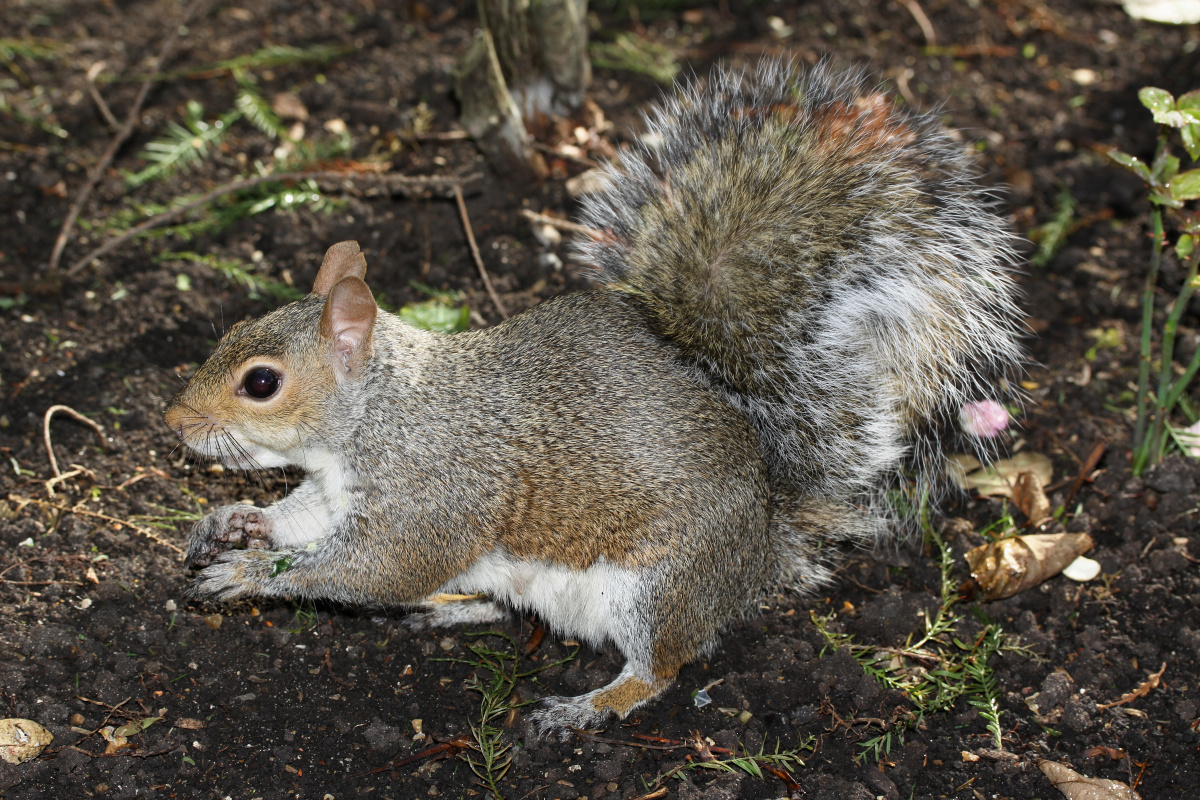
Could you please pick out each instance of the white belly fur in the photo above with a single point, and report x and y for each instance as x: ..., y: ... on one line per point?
x: 591, y: 604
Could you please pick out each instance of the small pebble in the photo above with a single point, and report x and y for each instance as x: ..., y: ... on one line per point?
x: 1082, y: 569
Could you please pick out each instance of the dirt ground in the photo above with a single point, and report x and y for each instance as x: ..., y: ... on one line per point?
x: 273, y: 700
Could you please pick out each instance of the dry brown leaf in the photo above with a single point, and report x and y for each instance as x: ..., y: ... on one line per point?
x: 1029, y: 496
x: 1141, y: 691
x: 190, y: 724
x: 998, y: 479
x: 1101, y: 750
x: 115, y: 741
x: 22, y: 740
x: 1078, y: 787
x: 1013, y: 565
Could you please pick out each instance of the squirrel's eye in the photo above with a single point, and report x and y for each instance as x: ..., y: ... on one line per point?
x: 261, y: 383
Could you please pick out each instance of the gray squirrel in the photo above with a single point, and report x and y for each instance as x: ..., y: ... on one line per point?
x: 802, y: 289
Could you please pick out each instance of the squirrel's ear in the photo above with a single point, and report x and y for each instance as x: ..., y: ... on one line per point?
x: 341, y: 260
x: 346, y: 324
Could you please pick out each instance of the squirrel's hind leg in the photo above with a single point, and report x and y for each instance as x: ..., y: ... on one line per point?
x: 632, y: 688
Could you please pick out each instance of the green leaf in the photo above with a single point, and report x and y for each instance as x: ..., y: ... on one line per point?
x: 282, y: 564
x: 1162, y: 104
x: 1131, y: 163
x: 1156, y: 99
x: 137, y: 726
x: 1189, y: 101
x: 1161, y: 196
x: 1191, y: 139
x: 1186, y: 185
x: 1185, y: 245
x: 433, y: 315
x: 1164, y: 168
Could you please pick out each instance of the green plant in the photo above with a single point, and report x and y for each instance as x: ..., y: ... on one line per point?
x: 270, y: 57
x: 497, y: 698
x: 304, y: 616
x: 182, y: 146
x: 20, y: 98
x: 1051, y: 236
x: 1169, y: 189
x: 440, y: 313
x: 169, y: 518
x: 634, y: 53
x: 186, y: 144
x: 938, y: 669
x: 752, y: 764
x: 238, y: 273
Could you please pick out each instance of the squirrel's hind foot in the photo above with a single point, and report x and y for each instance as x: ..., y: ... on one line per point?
x: 557, y: 716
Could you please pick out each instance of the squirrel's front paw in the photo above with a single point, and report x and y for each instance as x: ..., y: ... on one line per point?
x: 228, y: 528
x: 239, y: 573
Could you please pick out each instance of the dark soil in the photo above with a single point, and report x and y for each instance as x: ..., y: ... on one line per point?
x: 96, y: 626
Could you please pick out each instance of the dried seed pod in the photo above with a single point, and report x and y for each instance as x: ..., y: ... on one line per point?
x: 1013, y: 565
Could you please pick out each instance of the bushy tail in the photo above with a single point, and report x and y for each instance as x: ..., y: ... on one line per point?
x: 828, y: 259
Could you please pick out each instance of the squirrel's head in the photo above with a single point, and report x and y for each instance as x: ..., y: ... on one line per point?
x: 271, y: 381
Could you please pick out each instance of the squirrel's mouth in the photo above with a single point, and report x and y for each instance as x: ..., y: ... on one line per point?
x: 226, y: 450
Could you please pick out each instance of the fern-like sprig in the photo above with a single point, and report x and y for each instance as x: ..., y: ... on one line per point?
x: 938, y: 669
x: 238, y: 273
x: 982, y: 688
x: 258, y: 111
x: 270, y: 57
x: 497, y: 698
x: 183, y: 146
x: 29, y: 49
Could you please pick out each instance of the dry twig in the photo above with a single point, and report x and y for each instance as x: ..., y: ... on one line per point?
x: 1142, y: 690
x: 393, y: 181
x: 134, y: 113
x: 487, y: 282
x: 50, y: 412
x: 561, y: 224
x: 918, y: 13
x: 76, y: 509
x: 93, y: 72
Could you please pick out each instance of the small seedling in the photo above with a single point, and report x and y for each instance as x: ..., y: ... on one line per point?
x: 1170, y: 189
x: 169, y: 518
x: 20, y: 98
x: 751, y: 764
x: 183, y: 146
x: 304, y: 616
x: 937, y: 670
x: 1051, y: 236
x: 497, y: 692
